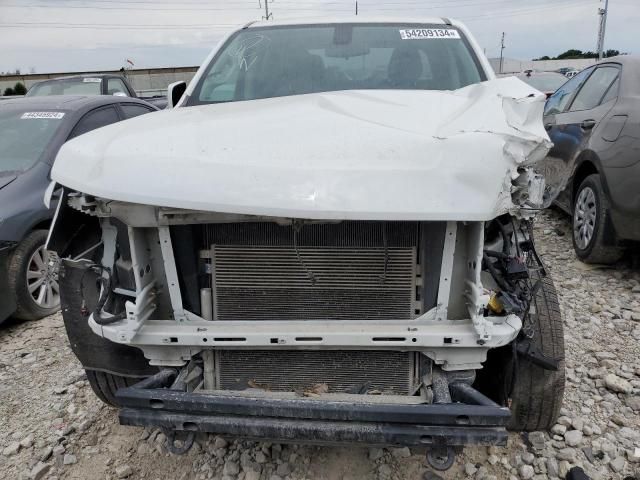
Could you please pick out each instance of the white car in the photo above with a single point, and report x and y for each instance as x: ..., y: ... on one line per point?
x: 329, y: 240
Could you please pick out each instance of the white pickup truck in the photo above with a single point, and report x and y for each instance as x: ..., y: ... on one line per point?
x: 328, y: 240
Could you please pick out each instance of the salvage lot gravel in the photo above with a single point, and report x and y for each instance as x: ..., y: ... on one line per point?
x: 52, y: 426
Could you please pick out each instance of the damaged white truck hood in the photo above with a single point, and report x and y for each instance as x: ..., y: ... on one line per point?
x: 368, y: 155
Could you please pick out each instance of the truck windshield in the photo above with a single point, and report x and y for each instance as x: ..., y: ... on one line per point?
x: 24, y: 135
x: 279, y: 61
x: 67, y: 86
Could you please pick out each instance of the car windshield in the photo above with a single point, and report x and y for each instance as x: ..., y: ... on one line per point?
x: 545, y: 83
x: 279, y: 61
x: 67, y: 86
x: 24, y: 135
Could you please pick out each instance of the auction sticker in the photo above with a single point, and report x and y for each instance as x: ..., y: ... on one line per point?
x: 427, y: 33
x: 91, y: 80
x: 41, y: 115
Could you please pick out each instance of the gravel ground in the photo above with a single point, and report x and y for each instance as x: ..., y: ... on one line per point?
x: 52, y: 426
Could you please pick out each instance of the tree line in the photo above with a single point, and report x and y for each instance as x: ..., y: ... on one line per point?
x: 573, y: 54
x: 17, y: 89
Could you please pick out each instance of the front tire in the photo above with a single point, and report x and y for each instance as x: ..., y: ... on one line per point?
x: 537, y: 394
x: 590, y: 223
x: 105, y: 385
x: 33, y: 278
x: 533, y: 394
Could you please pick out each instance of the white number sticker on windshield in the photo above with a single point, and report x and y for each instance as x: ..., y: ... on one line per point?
x: 427, y: 33
x: 41, y: 115
x: 91, y: 80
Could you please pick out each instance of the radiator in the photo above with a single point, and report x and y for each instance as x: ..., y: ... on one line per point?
x: 355, y: 371
x: 276, y: 283
x: 346, y: 271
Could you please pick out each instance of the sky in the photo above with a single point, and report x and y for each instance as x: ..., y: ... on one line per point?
x: 49, y: 36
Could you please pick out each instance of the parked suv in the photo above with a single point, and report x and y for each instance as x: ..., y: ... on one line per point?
x: 329, y: 240
x: 594, y: 123
x: 32, y: 130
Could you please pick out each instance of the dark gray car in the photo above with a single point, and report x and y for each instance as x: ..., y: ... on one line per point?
x: 594, y: 123
x: 32, y: 130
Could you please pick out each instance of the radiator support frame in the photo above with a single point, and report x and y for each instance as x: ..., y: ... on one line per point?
x: 455, y: 332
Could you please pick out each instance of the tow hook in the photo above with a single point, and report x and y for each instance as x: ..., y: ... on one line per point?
x: 441, y: 457
x: 178, y: 448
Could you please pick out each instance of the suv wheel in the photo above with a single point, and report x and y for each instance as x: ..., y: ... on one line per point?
x: 590, y: 217
x: 33, y: 277
x: 533, y: 394
x: 105, y: 385
x: 537, y: 394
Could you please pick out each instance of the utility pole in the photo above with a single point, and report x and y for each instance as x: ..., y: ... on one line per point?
x: 603, y: 26
x: 356, y: 8
x: 267, y: 15
x: 502, y: 47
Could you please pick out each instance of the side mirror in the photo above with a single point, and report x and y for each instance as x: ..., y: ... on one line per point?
x: 175, y: 92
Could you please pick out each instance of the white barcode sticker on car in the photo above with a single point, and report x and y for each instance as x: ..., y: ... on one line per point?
x: 41, y: 115
x: 427, y: 33
x: 91, y: 80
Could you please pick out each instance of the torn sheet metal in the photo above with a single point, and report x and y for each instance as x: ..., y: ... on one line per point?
x: 367, y: 154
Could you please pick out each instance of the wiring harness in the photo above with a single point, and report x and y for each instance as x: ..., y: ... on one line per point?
x: 104, y: 280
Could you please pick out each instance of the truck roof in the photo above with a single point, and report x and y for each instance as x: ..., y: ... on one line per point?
x: 349, y: 20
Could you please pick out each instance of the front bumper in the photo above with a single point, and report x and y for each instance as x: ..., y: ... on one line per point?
x: 471, y: 419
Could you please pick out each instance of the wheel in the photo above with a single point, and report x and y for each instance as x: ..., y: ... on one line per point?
x: 590, y: 220
x: 536, y: 393
x: 105, y: 385
x: 33, y: 277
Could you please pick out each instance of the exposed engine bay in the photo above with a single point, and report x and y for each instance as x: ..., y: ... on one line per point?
x: 356, y: 315
x: 415, y: 292
x: 176, y: 284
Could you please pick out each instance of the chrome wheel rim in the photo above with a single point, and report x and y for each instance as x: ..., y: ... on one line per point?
x: 584, y: 217
x: 42, y: 279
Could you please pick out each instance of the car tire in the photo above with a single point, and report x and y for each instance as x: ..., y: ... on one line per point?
x: 590, y: 222
x: 105, y: 385
x: 28, y: 265
x: 536, y: 393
